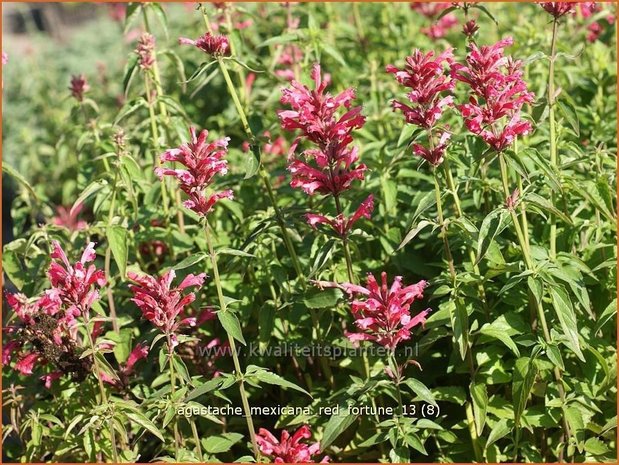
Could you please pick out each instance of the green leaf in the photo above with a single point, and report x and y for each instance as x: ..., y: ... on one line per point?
x: 479, y: 394
x: 117, y: 240
x: 459, y: 325
x: 221, y: 444
x: 569, y: 113
x: 141, y: 420
x: 413, y: 232
x: 596, y: 447
x: 271, y: 378
x: 498, y: 431
x: 606, y: 316
x: 130, y: 108
x: 8, y: 169
x: 525, y: 371
x: 209, y: 386
x: 281, y: 39
x: 131, y: 69
x: 322, y: 298
x: 485, y: 10
x: 390, y: 191
x: 545, y: 205
x: 565, y: 312
x: 336, y: 425
x: 421, y: 390
x: 231, y: 324
x: 492, y: 225
x: 190, y: 261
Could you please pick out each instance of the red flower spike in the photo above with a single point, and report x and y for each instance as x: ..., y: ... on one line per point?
x: 288, y: 449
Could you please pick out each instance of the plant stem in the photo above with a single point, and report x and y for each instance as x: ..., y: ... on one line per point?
x: 108, y: 258
x: 441, y: 219
x: 155, y: 137
x: 196, y: 438
x: 553, y: 131
x: 237, y: 366
x: 263, y: 174
x: 459, y: 214
x: 172, y: 392
x: 452, y: 272
x: 538, y: 304
x: 104, y: 399
x: 351, y: 274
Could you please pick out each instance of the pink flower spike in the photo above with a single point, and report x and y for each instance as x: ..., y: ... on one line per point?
x: 288, y: 449
x: 384, y: 315
x: 498, y: 94
x: 146, y: 51
x: 79, y: 86
x: 202, y: 161
x: 162, y: 304
x: 25, y: 365
x: 558, y: 9
x: 139, y: 352
x: 331, y: 166
x: 75, y: 285
x: 49, y: 378
x: 216, y: 45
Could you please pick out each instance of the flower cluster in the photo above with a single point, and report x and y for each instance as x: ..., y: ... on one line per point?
x: 498, y: 94
x: 342, y: 224
x: 139, y: 352
x: 425, y: 76
x: 47, y: 330
x: 334, y: 167
x: 558, y: 9
x: 212, y: 44
x: 79, y: 86
x: 146, y: 51
x: 384, y: 313
x: 202, y: 160
x: 314, y: 114
x: 162, y: 304
x: 289, y: 449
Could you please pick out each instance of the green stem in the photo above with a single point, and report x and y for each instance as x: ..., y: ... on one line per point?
x: 158, y: 88
x: 263, y: 174
x: 172, y: 392
x: 108, y: 258
x: 452, y: 271
x: 104, y: 399
x: 451, y: 185
x: 196, y: 438
x: 538, y: 304
x: 441, y: 219
x: 347, y: 256
x: 237, y: 366
x: 553, y: 131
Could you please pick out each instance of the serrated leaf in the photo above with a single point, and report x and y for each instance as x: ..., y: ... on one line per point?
x: 479, y: 395
x: 271, y: 378
x: 336, y: 425
x: 322, y: 298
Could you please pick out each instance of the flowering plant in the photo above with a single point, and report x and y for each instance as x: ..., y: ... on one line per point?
x: 305, y: 232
